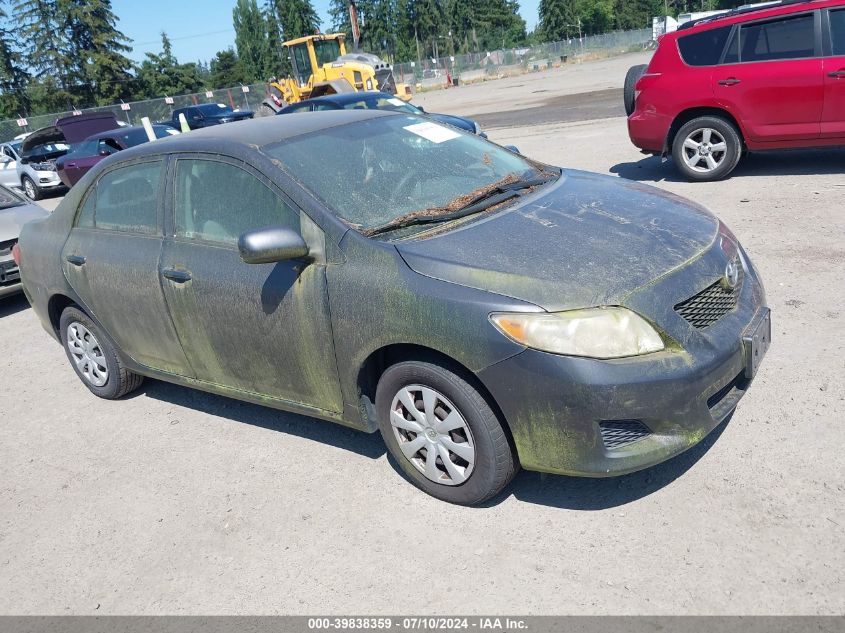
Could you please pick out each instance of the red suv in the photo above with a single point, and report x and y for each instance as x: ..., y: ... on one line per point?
x: 751, y: 79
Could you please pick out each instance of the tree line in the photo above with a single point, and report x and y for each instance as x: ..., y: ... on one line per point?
x: 58, y: 55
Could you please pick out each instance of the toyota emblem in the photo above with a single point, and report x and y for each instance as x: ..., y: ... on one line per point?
x: 731, y: 278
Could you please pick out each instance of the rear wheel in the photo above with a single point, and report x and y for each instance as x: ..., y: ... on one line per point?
x: 442, y: 432
x: 32, y: 191
x: 707, y: 148
x: 93, y: 358
x: 631, y: 79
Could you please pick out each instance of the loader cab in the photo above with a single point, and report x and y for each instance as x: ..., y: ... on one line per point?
x: 308, y: 54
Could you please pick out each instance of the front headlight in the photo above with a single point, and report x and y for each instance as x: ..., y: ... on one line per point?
x: 610, y: 332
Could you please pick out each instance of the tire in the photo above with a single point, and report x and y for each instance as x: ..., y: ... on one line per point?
x: 712, y: 131
x: 631, y: 79
x: 479, y: 436
x: 119, y: 381
x: 32, y: 191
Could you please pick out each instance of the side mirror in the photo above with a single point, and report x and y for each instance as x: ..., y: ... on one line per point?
x: 271, y: 244
x: 4, y: 160
x: 512, y: 148
x: 421, y: 109
x: 104, y: 152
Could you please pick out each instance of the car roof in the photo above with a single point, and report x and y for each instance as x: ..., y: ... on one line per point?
x: 123, y: 130
x: 253, y: 133
x: 752, y: 12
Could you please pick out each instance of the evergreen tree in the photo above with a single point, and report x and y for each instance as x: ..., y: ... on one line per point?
x: 226, y: 70
x: 41, y: 27
x: 557, y: 18
x: 296, y: 18
x: 13, y: 76
x: 251, y: 39
x: 161, y: 75
x: 96, y: 49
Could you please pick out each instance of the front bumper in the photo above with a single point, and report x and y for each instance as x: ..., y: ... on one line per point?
x: 557, y: 406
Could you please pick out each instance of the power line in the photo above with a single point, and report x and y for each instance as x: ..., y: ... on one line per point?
x: 187, y: 37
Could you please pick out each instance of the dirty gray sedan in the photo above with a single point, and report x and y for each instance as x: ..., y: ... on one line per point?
x: 379, y: 270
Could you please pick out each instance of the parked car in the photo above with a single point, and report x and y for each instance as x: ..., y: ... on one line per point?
x: 83, y: 156
x: 377, y: 101
x: 207, y: 114
x: 39, y: 151
x: 384, y: 271
x: 15, y: 211
x: 10, y: 154
x: 752, y: 79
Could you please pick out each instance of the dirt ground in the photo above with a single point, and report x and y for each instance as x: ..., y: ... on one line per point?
x: 173, y: 501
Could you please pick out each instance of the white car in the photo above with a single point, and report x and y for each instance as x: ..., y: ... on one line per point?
x: 10, y: 154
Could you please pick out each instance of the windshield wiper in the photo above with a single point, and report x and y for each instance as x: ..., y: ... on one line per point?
x: 485, y: 200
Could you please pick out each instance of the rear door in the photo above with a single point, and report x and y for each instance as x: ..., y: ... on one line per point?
x: 111, y: 260
x: 833, y: 119
x: 771, y: 78
x: 9, y: 168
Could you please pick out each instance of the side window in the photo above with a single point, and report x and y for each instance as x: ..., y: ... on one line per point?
x: 704, y: 48
x: 790, y: 38
x: 837, y: 30
x: 125, y: 199
x: 217, y: 202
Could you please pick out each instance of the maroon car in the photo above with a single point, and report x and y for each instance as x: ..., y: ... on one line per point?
x: 84, y: 155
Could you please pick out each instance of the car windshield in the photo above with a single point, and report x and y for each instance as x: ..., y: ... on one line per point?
x: 377, y: 171
x: 213, y: 108
x: 8, y: 199
x: 382, y: 103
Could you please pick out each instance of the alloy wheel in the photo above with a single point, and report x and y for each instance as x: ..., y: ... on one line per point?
x: 704, y: 150
x: 87, y: 354
x: 433, y: 434
x: 29, y: 188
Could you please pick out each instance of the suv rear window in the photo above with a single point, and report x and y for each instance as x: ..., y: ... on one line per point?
x: 790, y: 38
x: 705, y: 48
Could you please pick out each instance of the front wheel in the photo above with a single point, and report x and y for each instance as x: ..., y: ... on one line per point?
x: 32, y: 191
x: 707, y: 148
x: 443, y: 433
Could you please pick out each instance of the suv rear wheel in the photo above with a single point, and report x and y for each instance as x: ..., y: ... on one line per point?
x: 707, y: 148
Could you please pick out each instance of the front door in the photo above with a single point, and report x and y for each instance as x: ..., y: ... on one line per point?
x: 833, y: 120
x: 111, y: 260
x: 264, y: 329
x: 771, y: 79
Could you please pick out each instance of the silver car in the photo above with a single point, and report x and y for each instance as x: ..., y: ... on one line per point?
x: 37, y: 169
x: 15, y: 211
x: 10, y: 155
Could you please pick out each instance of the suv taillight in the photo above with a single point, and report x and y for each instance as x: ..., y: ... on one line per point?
x: 16, y: 254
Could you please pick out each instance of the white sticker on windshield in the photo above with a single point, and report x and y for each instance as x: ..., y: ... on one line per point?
x: 395, y: 101
x: 432, y: 132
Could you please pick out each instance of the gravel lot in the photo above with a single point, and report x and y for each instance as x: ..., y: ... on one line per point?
x: 174, y: 501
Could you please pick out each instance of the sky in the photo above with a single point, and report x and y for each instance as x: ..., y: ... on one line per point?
x: 198, y: 33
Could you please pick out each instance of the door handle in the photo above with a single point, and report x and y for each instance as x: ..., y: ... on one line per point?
x: 76, y: 260
x: 837, y: 73
x: 71, y: 165
x: 179, y: 276
x: 731, y: 81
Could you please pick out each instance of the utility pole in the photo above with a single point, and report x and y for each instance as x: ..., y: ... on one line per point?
x: 353, y: 21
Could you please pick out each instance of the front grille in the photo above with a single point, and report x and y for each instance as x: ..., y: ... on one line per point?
x: 9, y: 273
x: 618, y: 433
x: 709, y: 305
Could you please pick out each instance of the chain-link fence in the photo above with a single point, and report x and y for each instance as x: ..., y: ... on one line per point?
x: 426, y: 73
x: 241, y: 97
x: 434, y: 72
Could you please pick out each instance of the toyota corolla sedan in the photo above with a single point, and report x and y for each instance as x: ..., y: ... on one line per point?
x: 482, y: 310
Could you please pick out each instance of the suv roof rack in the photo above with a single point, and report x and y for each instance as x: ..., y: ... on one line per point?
x: 741, y: 11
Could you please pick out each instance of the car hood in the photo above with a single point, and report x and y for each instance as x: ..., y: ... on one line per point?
x: 12, y: 219
x: 587, y: 240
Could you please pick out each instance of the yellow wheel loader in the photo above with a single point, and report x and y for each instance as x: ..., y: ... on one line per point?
x: 322, y: 66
